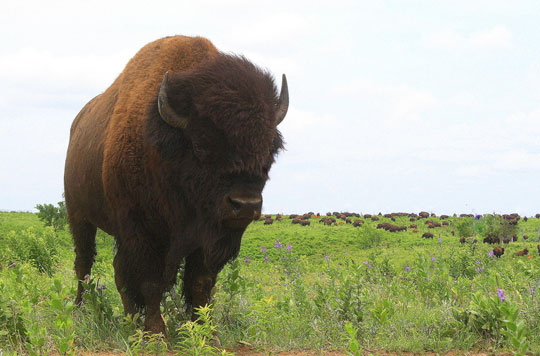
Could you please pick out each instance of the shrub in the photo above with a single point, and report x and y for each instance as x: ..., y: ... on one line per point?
x: 465, y: 227
x: 370, y: 237
x: 38, y: 249
x: 497, y: 226
x: 53, y: 216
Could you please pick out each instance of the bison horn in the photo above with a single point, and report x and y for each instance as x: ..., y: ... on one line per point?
x: 165, y: 110
x: 283, y: 104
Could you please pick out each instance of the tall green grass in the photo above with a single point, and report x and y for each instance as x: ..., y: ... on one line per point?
x: 323, y: 286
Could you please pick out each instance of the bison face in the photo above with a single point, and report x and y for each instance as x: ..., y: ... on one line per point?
x: 218, y: 132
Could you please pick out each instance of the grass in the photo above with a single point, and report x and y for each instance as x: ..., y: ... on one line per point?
x: 400, y: 291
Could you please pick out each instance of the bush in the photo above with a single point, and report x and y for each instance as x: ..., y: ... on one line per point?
x: 52, y: 215
x: 370, y: 237
x: 465, y: 227
x: 498, y: 227
x: 38, y: 249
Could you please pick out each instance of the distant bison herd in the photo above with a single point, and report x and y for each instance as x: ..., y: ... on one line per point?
x: 356, y: 220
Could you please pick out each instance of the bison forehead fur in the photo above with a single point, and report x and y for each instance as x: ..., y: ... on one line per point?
x: 172, y: 192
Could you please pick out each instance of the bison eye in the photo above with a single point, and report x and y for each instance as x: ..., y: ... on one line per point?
x: 199, y: 151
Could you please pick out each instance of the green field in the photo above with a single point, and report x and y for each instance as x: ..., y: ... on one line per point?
x: 326, y: 287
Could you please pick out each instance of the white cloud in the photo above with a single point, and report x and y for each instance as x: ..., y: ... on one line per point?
x: 496, y: 37
x: 405, y: 103
x: 271, y: 29
x: 44, y: 68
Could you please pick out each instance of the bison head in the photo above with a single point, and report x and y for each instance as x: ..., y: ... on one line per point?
x: 217, y: 135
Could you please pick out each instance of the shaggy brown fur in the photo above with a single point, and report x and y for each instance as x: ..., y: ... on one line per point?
x: 390, y: 227
x: 166, y: 193
x: 498, y: 251
x: 523, y: 252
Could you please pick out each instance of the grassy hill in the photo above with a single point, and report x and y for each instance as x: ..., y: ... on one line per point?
x: 396, y: 291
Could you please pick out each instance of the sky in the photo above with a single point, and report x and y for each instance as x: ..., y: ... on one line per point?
x: 395, y: 106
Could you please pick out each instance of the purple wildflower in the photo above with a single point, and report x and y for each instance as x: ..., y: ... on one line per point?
x: 101, y: 287
x: 478, y: 262
x: 407, y: 268
x: 265, y: 258
x: 501, y: 294
x: 278, y: 244
x: 532, y: 290
x: 367, y: 264
x: 326, y: 258
x: 263, y: 249
x: 289, y: 247
x: 479, y: 269
x: 432, y: 258
x: 440, y: 240
x: 477, y: 217
x: 246, y: 260
x: 490, y: 253
x: 298, y: 274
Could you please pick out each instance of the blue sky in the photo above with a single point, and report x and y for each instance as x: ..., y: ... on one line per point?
x: 395, y: 105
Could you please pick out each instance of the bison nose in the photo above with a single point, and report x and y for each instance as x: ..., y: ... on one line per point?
x: 245, y: 207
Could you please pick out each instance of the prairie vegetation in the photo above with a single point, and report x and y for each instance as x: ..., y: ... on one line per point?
x: 293, y: 286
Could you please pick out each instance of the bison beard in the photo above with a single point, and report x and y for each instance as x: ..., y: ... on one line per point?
x: 171, y: 160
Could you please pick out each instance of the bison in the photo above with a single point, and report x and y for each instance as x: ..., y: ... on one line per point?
x: 171, y: 160
x: 523, y: 252
x: 498, y: 251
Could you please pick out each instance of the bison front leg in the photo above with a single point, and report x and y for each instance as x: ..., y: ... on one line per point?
x: 198, y: 282
x: 139, y: 280
x: 152, y: 292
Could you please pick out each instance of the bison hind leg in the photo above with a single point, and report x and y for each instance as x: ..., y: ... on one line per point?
x: 84, y: 239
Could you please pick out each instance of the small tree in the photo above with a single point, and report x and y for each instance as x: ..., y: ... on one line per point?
x: 51, y: 215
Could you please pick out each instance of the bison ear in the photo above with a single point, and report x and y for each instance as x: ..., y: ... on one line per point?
x: 283, y: 104
x: 166, y: 112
